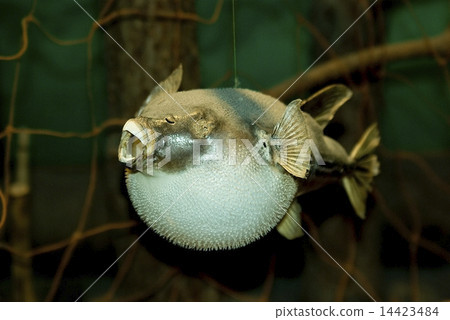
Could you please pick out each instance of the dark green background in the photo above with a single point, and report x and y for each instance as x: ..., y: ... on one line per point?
x: 412, y: 108
x: 270, y: 48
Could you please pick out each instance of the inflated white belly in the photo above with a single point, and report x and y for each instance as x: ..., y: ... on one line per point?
x: 214, y: 206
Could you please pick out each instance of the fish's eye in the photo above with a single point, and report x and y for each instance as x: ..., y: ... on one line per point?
x: 170, y: 120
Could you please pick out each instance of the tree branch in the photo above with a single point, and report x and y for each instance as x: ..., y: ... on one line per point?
x: 438, y: 47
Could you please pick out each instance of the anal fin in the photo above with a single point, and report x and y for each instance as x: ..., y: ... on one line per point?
x: 290, y: 225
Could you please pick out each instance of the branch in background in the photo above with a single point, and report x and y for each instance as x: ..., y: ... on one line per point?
x: 20, y: 224
x: 438, y: 47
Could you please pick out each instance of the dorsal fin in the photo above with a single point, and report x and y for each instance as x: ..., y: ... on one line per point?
x: 170, y: 85
x: 323, y: 104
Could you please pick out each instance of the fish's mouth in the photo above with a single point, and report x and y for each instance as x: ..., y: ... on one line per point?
x: 137, y: 142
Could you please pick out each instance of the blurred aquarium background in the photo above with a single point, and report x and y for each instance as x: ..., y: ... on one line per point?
x: 67, y: 88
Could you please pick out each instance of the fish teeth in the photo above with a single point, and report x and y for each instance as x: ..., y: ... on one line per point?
x: 137, y: 141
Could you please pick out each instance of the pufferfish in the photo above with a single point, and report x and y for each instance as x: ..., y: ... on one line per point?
x: 212, y: 169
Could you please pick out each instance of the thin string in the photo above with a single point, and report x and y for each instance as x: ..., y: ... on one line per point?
x: 236, y: 81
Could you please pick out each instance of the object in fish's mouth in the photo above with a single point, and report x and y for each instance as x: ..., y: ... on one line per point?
x: 219, y: 168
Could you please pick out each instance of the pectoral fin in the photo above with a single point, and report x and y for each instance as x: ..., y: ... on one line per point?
x: 290, y: 225
x: 323, y: 104
x: 170, y: 85
x: 288, y: 141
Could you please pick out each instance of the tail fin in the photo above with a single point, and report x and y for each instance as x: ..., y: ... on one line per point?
x: 358, y: 183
